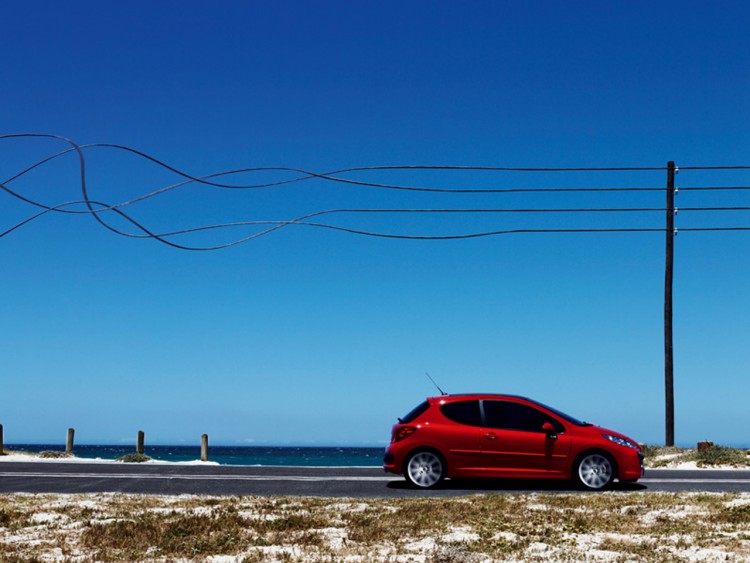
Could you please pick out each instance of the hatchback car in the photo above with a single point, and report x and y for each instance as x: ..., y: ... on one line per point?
x: 505, y: 436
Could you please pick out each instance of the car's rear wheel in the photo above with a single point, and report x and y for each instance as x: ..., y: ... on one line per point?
x: 595, y: 471
x: 424, y: 469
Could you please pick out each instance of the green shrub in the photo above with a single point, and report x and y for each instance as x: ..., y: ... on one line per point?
x: 720, y: 455
x: 133, y: 458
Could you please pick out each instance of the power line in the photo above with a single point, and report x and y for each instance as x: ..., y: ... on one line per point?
x: 98, y: 208
x: 741, y: 167
x: 302, y: 221
x: 333, y: 175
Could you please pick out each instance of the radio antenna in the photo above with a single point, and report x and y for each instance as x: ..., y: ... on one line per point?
x: 435, y: 384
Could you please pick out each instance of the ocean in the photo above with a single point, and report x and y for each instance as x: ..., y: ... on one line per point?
x: 229, y: 455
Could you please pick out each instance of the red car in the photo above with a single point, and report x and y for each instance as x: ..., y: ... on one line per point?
x: 505, y: 436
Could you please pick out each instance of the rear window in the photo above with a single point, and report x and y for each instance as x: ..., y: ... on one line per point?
x: 414, y: 413
x: 463, y: 412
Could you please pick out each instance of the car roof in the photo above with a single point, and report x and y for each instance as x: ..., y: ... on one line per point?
x: 476, y: 395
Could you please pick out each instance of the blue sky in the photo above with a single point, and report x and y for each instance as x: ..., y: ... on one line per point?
x: 316, y: 336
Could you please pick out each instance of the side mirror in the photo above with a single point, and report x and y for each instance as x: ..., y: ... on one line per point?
x: 549, y: 430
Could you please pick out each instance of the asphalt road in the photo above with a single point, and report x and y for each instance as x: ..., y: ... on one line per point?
x: 372, y: 482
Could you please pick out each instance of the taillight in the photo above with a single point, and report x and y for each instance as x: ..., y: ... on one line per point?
x: 403, y: 432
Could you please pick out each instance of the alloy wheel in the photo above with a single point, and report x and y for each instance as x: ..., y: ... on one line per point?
x: 424, y: 469
x: 595, y: 471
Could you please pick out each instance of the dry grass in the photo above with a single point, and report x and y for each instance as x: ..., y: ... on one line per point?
x: 559, y: 527
x: 658, y: 456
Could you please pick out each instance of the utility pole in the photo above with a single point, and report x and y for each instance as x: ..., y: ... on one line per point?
x: 668, y: 274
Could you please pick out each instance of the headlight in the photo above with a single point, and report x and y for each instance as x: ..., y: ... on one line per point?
x: 621, y: 441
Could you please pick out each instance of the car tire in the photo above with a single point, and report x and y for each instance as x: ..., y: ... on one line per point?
x: 594, y: 471
x: 424, y: 469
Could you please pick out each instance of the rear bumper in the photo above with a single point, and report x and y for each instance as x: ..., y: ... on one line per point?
x: 389, y: 465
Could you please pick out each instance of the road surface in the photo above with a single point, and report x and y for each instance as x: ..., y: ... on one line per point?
x: 364, y: 482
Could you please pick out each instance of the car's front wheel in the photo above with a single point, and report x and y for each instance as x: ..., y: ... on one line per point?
x: 595, y: 471
x: 424, y: 469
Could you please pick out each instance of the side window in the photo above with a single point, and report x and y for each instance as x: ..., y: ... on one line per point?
x: 515, y: 416
x: 463, y: 412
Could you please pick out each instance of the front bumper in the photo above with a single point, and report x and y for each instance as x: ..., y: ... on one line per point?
x: 634, y: 470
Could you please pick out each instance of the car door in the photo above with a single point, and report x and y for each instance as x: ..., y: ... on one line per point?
x: 461, y: 437
x: 514, y: 443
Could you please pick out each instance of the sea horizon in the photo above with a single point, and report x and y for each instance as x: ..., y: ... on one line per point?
x: 285, y: 455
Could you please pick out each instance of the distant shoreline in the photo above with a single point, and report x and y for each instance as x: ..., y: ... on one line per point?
x: 306, y: 456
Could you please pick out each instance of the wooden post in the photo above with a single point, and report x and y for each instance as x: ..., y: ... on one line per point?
x: 704, y: 446
x: 668, y: 349
x: 204, y: 447
x: 69, y: 442
x: 139, y: 443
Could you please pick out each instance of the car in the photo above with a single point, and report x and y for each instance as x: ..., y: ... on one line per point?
x: 509, y: 437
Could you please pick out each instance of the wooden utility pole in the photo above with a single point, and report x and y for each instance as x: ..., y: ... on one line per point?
x: 668, y: 357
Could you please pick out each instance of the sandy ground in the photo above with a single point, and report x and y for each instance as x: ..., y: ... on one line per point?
x: 534, y: 527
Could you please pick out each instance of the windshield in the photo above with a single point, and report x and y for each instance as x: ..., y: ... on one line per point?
x: 561, y: 414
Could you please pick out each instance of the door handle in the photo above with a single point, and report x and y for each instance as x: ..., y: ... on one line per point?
x: 491, y: 436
